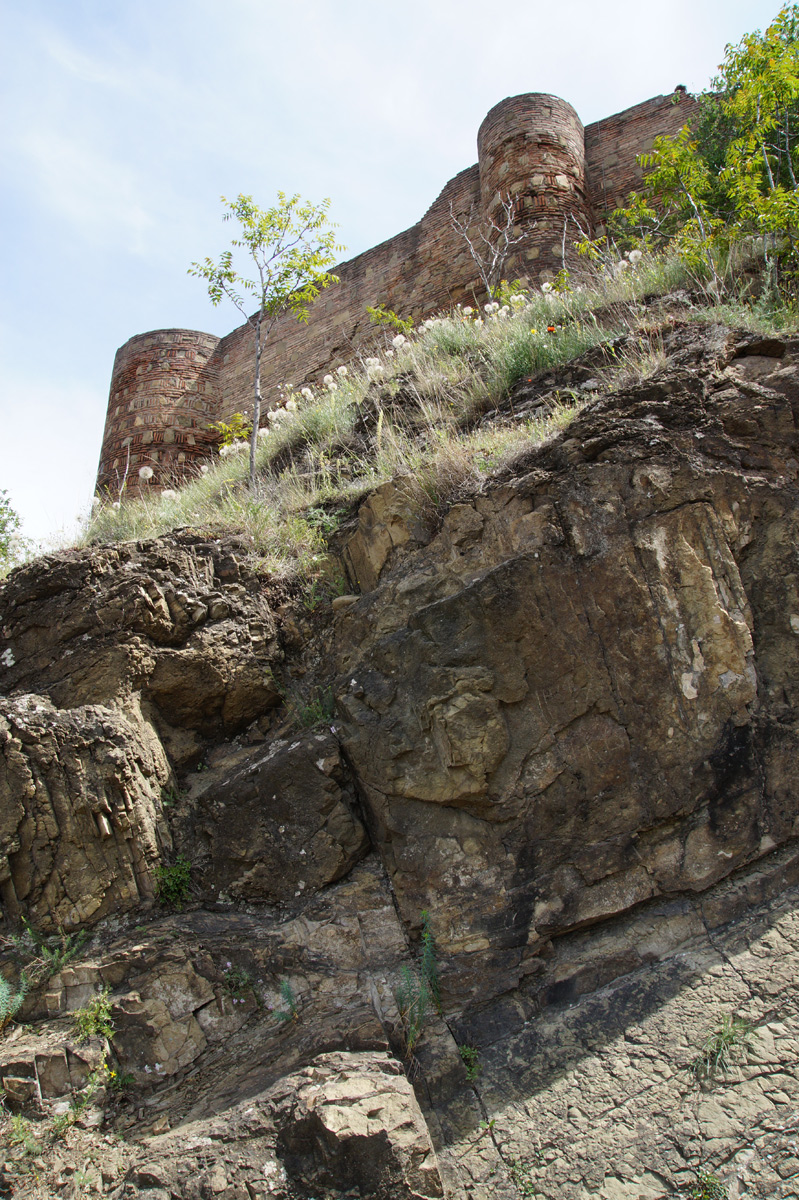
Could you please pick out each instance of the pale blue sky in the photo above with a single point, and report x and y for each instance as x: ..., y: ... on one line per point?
x: 124, y: 120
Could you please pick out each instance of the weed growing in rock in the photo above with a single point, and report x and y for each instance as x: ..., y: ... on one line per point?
x: 413, y: 1000
x: 429, y: 963
x: 11, y: 998
x: 471, y: 1061
x: 729, y: 1042
x: 22, y: 1135
x: 44, y: 955
x: 95, y: 1019
x: 173, y: 882
x: 319, y: 709
x: 291, y: 1012
x: 237, y: 982
x: 708, y: 1186
x: 520, y: 1173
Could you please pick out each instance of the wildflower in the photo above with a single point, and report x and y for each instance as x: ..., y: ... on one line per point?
x: 478, y: 321
x: 374, y: 371
x: 550, y: 328
x: 168, y: 494
x: 491, y: 308
x: 371, y: 362
x: 96, y: 502
x: 467, y: 312
x: 146, y: 473
x: 398, y: 341
x: 503, y: 312
x: 518, y: 300
x: 546, y: 288
x: 148, y: 1068
x: 634, y: 257
x: 533, y: 331
x: 342, y: 371
x: 389, y: 353
x: 291, y: 405
x: 116, y: 505
x: 263, y: 433
x: 204, y: 469
x: 307, y: 393
x: 332, y: 387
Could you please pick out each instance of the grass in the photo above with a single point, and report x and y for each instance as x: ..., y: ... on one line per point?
x: 417, y: 410
x: 727, y: 1045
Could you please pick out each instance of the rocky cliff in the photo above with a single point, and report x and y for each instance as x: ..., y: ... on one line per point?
x: 548, y: 738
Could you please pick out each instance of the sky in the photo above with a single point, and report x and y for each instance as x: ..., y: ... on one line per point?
x: 122, y: 122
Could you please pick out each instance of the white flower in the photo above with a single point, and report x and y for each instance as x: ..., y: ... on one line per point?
x: 342, y: 371
x: 146, y: 472
x: 503, y: 312
x: 276, y: 415
x: 371, y: 362
x: 169, y: 494
x: 490, y: 308
x: 398, y: 341
x: 328, y: 379
x: 96, y: 502
x: 204, y: 469
x: 291, y: 405
x: 389, y: 353
x: 307, y: 393
x: 518, y: 300
x: 478, y: 321
x: 635, y: 256
x: 116, y: 505
x: 467, y: 312
x: 546, y: 288
x: 374, y: 371
x: 263, y: 433
x: 332, y: 387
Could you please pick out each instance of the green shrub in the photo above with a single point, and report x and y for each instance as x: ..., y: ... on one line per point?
x: 471, y: 1061
x: 173, y: 882
x: 95, y: 1019
x: 707, y: 1187
x: 11, y: 998
x: 291, y: 1012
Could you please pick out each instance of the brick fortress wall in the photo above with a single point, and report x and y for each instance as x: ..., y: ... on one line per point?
x: 169, y: 385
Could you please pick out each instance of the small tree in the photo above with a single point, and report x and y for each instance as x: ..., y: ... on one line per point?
x: 13, y: 549
x: 290, y: 246
x: 491, y: 240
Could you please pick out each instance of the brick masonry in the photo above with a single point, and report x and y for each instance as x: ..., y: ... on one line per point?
x: 167, y: 386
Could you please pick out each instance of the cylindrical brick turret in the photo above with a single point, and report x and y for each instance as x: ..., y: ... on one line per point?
x: 163, y: 398
x: 532, y: 152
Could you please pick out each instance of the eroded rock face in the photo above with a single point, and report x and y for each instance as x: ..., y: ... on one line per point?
x: 562, y: 696
x: 182, y: 623
x: 566, y: 728
x: 81, y: 824
x: 281, y: 825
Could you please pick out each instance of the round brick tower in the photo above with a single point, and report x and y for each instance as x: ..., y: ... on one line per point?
x: 163, y: 397
x: 531, y: 151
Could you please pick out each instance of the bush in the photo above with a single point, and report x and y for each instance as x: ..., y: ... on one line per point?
x: 173, y: 882
x: 95, y: 1019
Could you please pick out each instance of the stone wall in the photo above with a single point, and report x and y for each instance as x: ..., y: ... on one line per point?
x: 167, y: 386
x: 612, y: 146
x: 164, y: 394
